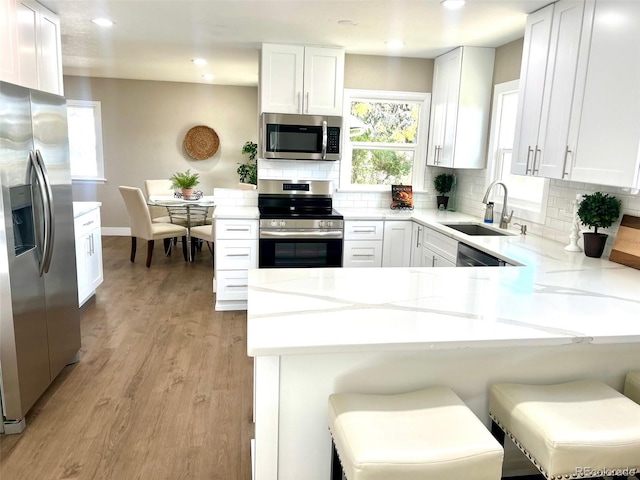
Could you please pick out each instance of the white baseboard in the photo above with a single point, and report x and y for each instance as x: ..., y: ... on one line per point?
x: 115, y: 232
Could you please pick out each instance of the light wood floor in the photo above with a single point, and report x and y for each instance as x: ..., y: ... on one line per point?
x: 163, y: 389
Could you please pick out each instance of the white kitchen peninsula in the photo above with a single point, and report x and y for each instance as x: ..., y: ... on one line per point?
x: 387, y: 330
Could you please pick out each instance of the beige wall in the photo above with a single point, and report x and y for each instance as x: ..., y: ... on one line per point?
x: 508, y: 60
x: 371, y: 72
x: 143, y: 127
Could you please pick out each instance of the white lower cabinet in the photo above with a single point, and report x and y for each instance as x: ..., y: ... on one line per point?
x: 88, y: 254
x: 363, y: 243
x: 417, y: 237
x: 396, y: 251
x: 236, y: 251
x: 438, y: 250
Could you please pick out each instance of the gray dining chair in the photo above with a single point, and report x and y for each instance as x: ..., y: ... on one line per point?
x: 142, y: 226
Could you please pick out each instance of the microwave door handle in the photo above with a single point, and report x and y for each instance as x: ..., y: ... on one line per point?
x: 324, y: 139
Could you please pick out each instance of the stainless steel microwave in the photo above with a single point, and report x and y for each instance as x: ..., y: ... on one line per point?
x: 300, y: 137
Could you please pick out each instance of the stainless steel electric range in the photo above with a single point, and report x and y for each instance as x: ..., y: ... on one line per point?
x: 298, y: 226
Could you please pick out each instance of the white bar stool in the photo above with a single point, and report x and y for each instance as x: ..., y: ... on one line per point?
x: 582, y: 429
x: 427, y: 434
x: 632, y: 386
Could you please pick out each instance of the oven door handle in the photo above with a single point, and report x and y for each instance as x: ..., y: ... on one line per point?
x: 301, y: 234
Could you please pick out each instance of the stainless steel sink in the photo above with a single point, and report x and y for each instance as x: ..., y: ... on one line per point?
x: 475, y: 229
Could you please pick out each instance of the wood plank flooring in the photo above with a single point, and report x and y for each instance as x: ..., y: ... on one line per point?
x: 163, y: 389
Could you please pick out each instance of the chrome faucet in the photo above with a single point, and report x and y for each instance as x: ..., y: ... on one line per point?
x: 505, y: 217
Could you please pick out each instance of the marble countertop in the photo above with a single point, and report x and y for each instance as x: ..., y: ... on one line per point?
x: 80, y: 208
x: 556, y: 297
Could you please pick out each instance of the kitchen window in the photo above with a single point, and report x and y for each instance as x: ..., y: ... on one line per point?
x: 384, y: 140
x: 527, y: 195
x: 85, y: 140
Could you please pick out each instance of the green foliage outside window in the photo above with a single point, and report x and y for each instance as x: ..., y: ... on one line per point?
x: 389, y: 124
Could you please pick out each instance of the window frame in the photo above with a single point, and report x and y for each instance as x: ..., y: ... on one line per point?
x: 521, y: 209
x: 96, y: 107
x: 420, y: 149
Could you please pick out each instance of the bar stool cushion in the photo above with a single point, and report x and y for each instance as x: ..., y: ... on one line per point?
x: 632, y: 386
x: 430, y: 433
x: 564, y: 427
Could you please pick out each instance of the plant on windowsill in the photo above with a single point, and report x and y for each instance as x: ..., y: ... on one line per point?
x: 248, y: 172
x: 443, y: 184
x: 597, y: 210
x: 185, y: 181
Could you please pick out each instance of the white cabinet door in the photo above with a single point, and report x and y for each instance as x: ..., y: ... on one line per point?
x: 362, y: 253
x: 434, y: 260
x: 363, y: 230
x: 94, y: 261
x: 396, y: 249
x: 460, y: 108
x: 417, y: 237
x: 297, y: 79
x: 535, y: 52
x: 28, y: 21
x: 281, y: 78
x: 9, y: 51
x: 82, y: 254
x: 323, y: 80
x: 88, y: 254
x: 49, y: 53
x: 609, y: 138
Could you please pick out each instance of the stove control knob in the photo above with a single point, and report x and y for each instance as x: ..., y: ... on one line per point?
x: 283, y: 223
x: 321, y: 223
x: 329, y: 224
x: 274, y: 223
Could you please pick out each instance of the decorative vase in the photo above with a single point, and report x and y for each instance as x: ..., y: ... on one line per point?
x: 443, y: 201
x: 594, y: 244
x: 187, y: 193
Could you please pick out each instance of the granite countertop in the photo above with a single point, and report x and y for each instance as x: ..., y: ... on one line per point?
x: 80, y: 208
x: 555, y: 297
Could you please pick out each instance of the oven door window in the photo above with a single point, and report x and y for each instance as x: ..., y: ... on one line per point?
x: 298, y: 253
x: 294, y: 139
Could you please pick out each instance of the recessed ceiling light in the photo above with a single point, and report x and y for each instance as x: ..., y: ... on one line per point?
x: 199, y: 61
x: 102, y: 22
x: 347, y: 23
x: 452, y: 4
x: 394, y: 43
x: 208, y: 76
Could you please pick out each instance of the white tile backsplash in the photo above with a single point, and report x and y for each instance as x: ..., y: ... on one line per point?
x: 233, y: 197
x: 299, y: 170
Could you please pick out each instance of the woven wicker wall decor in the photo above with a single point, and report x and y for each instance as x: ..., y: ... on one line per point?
x: 201, y: 142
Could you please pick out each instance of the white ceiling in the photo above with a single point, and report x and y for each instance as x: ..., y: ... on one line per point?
x: 156, y: 39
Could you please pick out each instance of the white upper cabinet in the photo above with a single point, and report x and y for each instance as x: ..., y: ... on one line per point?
x: 30, y: 53
x: 608, y: 148
x: 298, y: 79
x: 555, y: 41
x: 460, y: 105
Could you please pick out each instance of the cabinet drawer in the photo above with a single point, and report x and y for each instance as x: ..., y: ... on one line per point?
x: 86, y: 222
x: 236, y: 229
x: 362, y: 253
x: 236, y: 254
x: 438, y: 243
x: 232, y: 284
x: 363, y: 230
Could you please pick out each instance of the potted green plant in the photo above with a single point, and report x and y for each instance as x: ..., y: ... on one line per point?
x: 248, y: 172
x: 443, y: 184
x: 185, y: 181
x: 597, y: 210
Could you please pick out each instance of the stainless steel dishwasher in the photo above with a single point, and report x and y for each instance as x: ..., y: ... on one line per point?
x: 472, y: 257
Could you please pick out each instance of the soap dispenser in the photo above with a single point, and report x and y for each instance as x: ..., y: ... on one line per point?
x: 488, y: 213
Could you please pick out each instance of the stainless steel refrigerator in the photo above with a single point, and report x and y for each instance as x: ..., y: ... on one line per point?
x: 39, y: 315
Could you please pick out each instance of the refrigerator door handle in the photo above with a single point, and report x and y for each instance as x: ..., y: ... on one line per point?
x: 49, y: 212
x: 46, y: 210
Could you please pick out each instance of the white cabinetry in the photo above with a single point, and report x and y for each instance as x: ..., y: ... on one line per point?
x: 417, y: 237
x: 608, y: 149
x: 363, y: 243
x: 30, y: 53
x: 236, y: 251
x: 438, y: 250
x: 460, y: 105
x: 298, y: 79
x: 88, y: 254
x: 549, y: 105
x: 396, y: 251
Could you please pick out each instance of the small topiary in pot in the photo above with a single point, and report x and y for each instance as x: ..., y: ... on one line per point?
x: 597, y: 210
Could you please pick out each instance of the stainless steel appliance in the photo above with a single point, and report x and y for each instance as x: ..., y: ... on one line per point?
x: 300, y: 137
x: 298, y: 226
x: 39, y: 315
x: 472, y: 257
